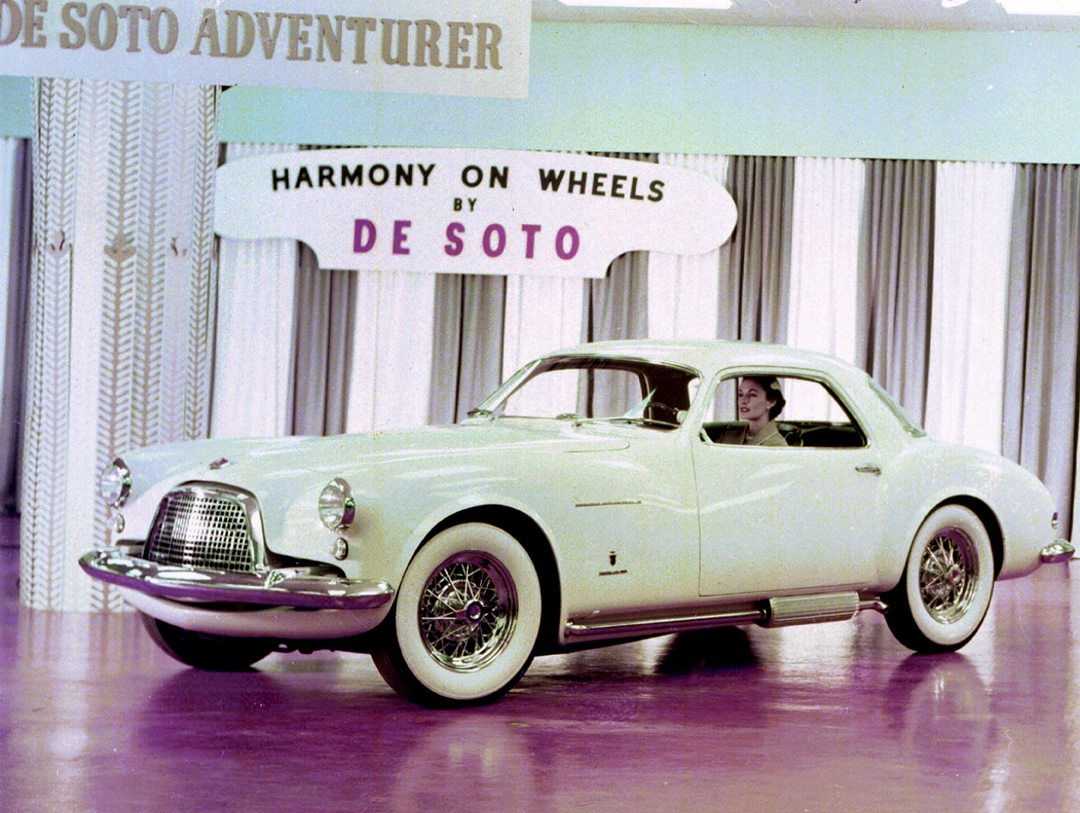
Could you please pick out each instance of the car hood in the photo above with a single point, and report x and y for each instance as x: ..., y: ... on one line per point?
x: 265, y: 459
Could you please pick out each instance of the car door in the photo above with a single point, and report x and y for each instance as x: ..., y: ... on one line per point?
x: 787, y: 518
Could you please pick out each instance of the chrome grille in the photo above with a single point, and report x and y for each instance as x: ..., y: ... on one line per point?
x: 203, y: 528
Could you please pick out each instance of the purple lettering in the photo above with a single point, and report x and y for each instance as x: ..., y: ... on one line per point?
x: 401, y: 236
x: 500, y: 233
x: 363, y: 236
x: 454, y: 244
x: 567, y: 232
x: 530, y: 230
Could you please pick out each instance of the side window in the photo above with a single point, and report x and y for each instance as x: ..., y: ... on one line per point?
x: 767, y: 410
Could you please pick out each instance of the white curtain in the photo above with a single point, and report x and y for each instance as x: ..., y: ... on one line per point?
x: 965, y: 384
x: 254, y: 340
x: 684, y: 289
x: 541, y: 314
x: 390, y: 374
x: 825, y: 255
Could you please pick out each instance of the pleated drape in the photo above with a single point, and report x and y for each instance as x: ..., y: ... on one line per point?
x: 823, y: 290
x: 467, y: 359
x: 755, y: 263
x: 254, y: 338
x: 895, y: 274
x: 966, y: 372
x: 1042, y: 339
x: 911, y: 269
x: 322, y: 360
x: 389, y: 381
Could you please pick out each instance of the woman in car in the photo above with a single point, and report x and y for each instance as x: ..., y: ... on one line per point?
x: 759, y: 401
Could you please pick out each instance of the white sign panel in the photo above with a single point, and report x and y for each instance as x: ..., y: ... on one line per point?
x: 454, y: 47
x: 470, y: 212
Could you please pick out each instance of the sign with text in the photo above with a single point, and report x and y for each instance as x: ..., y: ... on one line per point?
x: 455, y: 47
x: 470, y: 212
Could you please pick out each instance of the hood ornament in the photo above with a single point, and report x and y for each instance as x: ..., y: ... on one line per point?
x: 220, y: 463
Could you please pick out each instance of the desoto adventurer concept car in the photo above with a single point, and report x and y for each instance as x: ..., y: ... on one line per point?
x: 609, y: 491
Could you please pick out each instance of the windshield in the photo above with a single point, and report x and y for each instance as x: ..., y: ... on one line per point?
x: 583, y: 388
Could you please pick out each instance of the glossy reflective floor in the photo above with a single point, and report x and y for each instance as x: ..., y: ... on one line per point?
x: 828, y: 718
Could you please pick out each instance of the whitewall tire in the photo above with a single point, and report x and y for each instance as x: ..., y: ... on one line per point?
x: 941, y: 601
x: 465, y: 620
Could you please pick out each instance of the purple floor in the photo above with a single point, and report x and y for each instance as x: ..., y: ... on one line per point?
x: 830, y: 718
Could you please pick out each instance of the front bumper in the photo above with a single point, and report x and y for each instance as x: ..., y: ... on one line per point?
x: 289, y: 587
x: 1059, y: 551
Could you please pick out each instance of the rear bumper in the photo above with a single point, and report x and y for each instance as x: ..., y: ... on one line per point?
x: 291, y: 587
x: 1059, y: 551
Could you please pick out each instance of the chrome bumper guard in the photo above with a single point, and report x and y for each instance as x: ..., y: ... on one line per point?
x: 1059, y: 551
x: 289, y: 587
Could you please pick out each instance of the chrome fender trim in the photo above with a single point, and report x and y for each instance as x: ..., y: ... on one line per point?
x: 288, y: 587
x: 662, y: 625
x: 776, y: 612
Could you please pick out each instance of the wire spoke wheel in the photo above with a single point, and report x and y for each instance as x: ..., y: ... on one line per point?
x: 468, y: 610
x: 465, y: 620
x: 948, y: 574
x: 948, y: 581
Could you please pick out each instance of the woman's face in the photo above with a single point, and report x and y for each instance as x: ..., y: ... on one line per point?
x: 753, y: 404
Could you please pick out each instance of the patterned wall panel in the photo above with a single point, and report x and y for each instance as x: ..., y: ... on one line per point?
x: 121, y: 324
x: 46, y: 412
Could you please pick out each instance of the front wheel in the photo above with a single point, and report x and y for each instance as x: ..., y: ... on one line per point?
x: 214, y: 653
x: 941, y: 601
x: 465, y: 621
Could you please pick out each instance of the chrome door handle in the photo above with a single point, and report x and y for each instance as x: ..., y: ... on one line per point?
x: 868, y: 468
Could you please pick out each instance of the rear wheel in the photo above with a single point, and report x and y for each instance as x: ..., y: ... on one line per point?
x: 466, y: 619
x: 945, y: 593
x: 214, y: 653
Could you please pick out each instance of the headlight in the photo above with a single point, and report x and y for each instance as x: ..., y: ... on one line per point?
x: 114, y: 485
x: 337, y: 509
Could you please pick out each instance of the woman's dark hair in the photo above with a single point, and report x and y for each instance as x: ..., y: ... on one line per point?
x: 771, y: 386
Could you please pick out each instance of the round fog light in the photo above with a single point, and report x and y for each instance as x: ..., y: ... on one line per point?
x: 340, y: 550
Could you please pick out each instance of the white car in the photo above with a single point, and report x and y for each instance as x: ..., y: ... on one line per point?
x: 608, y: 491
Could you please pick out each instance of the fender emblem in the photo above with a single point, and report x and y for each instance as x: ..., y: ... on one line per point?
x: 220, y: 463
x: 613, y: 558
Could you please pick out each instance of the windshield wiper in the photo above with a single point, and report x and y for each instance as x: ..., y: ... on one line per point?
x: 480, y: 413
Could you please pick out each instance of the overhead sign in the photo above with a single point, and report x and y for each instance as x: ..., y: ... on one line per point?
x: 470, y: 212
x: 454, y: 47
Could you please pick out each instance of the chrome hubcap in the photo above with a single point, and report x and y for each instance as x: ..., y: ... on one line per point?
x: 948, y: 574
x: 468, y: 609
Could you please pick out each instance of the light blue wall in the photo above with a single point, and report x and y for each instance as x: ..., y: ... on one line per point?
x: 714, y: 89
x: 16, y: 117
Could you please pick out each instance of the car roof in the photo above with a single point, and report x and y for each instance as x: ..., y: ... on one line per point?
x: 708, y: 356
